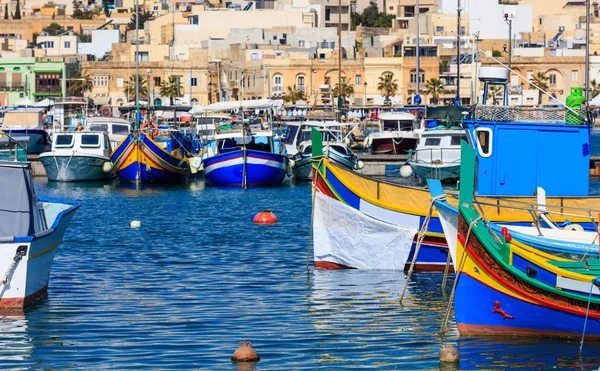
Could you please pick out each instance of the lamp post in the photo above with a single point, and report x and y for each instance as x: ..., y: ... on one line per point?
x: 509, y: 49
x: 365, y: 93
x: 522, y: 93
x: 210, y: 85
x: 587, y: 50
x: 150, y: 97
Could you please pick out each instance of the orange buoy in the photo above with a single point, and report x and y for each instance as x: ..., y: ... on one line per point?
x: 265, y: 217
x: 245, y: 353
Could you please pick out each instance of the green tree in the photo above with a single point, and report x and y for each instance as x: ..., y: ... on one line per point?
x: 355, y: 20
x: 171, y: 88
x: 384, y: 20
x: 80, y: 84
x: 17, y: 14
x: 6, y: 11
x: 541, y: 80
x: 53, y: 29
x: 387, y: 86
x: 595, y: 88
x: 105, y: 8
x: 370, y: 14
x: 435, y: 88
x: 494, y: 92
x: 346, y: 91
x: 129, y: 87
x: 142, y: 18
x: 77, y: 12
x: 293, y: 95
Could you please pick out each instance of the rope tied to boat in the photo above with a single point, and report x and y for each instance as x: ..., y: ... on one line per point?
x: 444, y: 329
x: 19, y: 254
x: 420, y: 236
x: 595, y: 282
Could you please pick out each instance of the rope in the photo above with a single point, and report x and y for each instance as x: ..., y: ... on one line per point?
x: 446, y: 270
x: 587, y: 311
x: 68, y: 162
x: 420, y: 238
x: 459, y: 270
x: 56, y: 163
x: 19, y: 254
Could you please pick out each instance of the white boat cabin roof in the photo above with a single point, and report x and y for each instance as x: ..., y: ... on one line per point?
x: 81, y: 141
x: 239, y: 134
x: 404, y: 116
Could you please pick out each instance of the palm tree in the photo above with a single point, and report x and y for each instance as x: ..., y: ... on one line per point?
x: 346, y: 91
x: 129, y: 87
x: 81, y: 83
x: 435, y: 88
x: 494, y: 92
x: 540, y: 79
x: 595, y: 88
x: 293, y: 95
x: 171, y: 88
x: 387, y: 86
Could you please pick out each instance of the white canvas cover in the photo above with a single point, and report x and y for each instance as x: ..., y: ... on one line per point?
x: 16, y: 201
x: 348, y: 237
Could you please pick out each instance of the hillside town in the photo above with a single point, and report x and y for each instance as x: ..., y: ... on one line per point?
x: 206, y: 51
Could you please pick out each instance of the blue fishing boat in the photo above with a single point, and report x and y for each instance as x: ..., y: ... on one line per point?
x: 141, y: 159
x: 247, y: 155
x: 28, y: 123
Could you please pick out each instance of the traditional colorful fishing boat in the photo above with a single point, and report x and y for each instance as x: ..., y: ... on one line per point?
x: 141, y: 159
x: 494, y: 132
x: 30, y: 231
x: 509, y: 289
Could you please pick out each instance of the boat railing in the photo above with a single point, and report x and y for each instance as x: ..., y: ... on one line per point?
x: 530, y: 114
x: 12, y: 149
x: 451, y: 153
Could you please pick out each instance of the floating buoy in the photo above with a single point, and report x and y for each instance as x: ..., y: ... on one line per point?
x: 107, y: 167
x: 264, y: 217
x: 195, y: 164
x: 135, y: 224
x: 359, y: 165
x: 449, y: 354
x: 245, y: 353
x: 406, y: 171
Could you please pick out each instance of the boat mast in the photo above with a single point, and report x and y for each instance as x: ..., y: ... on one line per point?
x: 418, y: 49
x: 137, y: 63
x: 340, y: 52
x: 458, y: 10
x: 587, y: 50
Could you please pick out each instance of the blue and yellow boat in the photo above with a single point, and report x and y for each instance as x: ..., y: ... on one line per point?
x: 140, y: 159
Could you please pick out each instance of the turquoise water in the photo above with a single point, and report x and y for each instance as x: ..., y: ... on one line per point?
x: 198, y: 277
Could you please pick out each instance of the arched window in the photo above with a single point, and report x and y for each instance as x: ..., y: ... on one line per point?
x: 157, y: 102
x: 278, y: 83
x: 120, y: 102
x: 300, y: 82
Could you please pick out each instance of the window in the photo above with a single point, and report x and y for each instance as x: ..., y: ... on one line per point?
x: 409, y: 11
x: 574, y: 75
x: 49, y: 44
x: 64, y: 140
x: 120, y: 129
x: 86, y: 30
x: 391, y: 8
x: 358, y: 80
x: 277, y: 80
x: 327, y: 14
x: 301, y: 83
x: 462, y: 30
x: 432, y: 141
x: 119, y: 82
x: 142, y: 56
x: 90, y: 140
x: 156, y: 80
x: 413, y: 77
x: 301, y: 43
x: 439, y: 28
x: 194, y: 81
x: 484, y: 141
x: 321, y: 55
x: 67, y: 44
x: 193, y: 19
x: 552, y: 79
x: 455, y: 141
x: 529, y: 75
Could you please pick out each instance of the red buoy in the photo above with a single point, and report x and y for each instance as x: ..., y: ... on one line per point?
x: 265, y: 217
x: 504, y: 231
x: 508, y: 237
x: 245, y: 353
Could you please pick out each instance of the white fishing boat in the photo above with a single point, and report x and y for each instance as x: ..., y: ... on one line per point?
x: 334, y: 147
x: 116, y: 128
x: 437, y: 155
x: 398, y: 133
x: 27, y: 122
x: 30, y: 231
x: 78, y: 156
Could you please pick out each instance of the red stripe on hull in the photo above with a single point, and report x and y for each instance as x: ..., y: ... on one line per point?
x: 330, y: 265
x: 424, y: 267
x: 478, y: 330
x: 23, y: 302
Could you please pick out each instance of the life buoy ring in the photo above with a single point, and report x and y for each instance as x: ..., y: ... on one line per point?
x: 154, y: 131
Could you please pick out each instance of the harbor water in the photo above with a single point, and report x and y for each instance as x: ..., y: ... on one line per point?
x: 198, y: 277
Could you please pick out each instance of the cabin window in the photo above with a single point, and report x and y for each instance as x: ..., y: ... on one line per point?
x: 456, y: 140
x: 308, y: 149
x: 64, y: 141
x: 484, y: 141
x: 90, y: 140
x: 339, y: 149
x: 433, y: 141
x: 100, y: 128
x: 120, y: 129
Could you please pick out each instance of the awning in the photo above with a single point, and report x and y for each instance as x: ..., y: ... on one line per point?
x: 101, y: 101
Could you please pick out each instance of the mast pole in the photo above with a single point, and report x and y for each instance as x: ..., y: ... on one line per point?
x: 340, y: 50
x: 137, y: 63
x: 587, y: 50
x: 418, y: 48
x: 458, y: 10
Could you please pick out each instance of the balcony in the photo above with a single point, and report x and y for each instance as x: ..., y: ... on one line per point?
x: 41, y: 90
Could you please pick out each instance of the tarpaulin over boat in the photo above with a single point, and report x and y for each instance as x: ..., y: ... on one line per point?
x: 16, y: 202
x: 346, y: 237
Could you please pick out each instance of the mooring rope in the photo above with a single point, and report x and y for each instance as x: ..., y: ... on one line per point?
x: 587, y: 311
x: 457, y: 275
x: 19, y: 254
x: 446, y: 271
x: 420, y: 237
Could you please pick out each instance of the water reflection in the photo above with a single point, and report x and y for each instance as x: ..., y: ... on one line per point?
x: 15, y: 341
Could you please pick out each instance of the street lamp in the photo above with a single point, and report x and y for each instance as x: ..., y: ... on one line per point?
x: 150, y: 97
x: 365, y: 91
x: 522, y: 93
x: 509, y: 22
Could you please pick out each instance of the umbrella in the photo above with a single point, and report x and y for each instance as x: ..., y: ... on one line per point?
x: 44, y: 103
x: 25, y: 102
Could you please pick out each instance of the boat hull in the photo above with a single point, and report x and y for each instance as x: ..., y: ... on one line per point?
x: 76, y: 168
x: 303, y: 164
x: 144, y: 161
x: 262, y: 168
x: 30, y: 275
x: 39, y: 141
x: 391, y: 145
